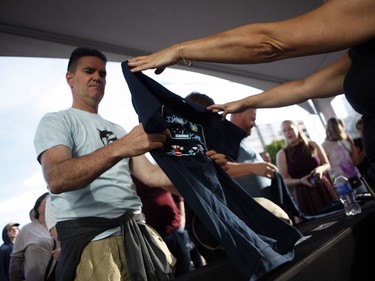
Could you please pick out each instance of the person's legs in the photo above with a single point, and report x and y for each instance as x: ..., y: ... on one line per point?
x: 177, y: 243
x: 196, y: 257
x: 103, y: 260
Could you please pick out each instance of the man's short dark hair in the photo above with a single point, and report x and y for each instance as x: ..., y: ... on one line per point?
x: 37, y: 204
x: 201, y: 99
x: 83, y: 52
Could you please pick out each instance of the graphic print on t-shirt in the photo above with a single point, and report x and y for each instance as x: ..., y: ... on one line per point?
x: 187, y: 138
x: 107, y: 137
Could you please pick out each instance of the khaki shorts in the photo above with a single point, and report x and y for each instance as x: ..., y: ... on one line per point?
x: 103, y: 260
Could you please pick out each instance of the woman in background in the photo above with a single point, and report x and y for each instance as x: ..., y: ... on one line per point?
x: 304, y: 166
x: 342, y: 153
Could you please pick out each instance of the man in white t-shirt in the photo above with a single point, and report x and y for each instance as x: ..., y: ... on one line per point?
x: 87, y: 162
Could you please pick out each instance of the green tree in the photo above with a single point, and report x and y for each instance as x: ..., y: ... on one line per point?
x: 274, y: 147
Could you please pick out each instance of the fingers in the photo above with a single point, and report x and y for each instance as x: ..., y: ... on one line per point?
x: 140, y: 63
x: 157, y: 140
x: 210, y: 153
x: 167, y: 133
x: 138, y: 66
x: 216, y: 108
x: 224, y: 115
x: 55, y: 253
x: 158, y: 61
x: 159, y: 70
x: 222, y: 161
x: 219, y: 158
x: 142, y: 142
x: 270, y: 171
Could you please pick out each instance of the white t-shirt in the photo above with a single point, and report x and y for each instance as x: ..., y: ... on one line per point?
x: 252, y: 183
x: 50, y: 214
x: 112, y: 193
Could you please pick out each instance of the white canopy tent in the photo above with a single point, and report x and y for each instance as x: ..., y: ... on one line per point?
x: 124, y: 29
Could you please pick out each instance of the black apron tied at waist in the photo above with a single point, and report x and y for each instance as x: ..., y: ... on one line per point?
x: 144, y: 259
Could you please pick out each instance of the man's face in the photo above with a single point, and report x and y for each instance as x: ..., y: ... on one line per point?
x: 248, y: 120
x: 13, y: 232
x: 88, y: 82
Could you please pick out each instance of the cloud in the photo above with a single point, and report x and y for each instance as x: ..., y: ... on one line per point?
x: 19, y: 196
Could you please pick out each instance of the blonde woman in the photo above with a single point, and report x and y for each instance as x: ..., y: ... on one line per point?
x: 342, y: 153
x: 304, y: 166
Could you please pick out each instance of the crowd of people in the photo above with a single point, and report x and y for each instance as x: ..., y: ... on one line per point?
x: 28, y: 251
x: 306, y: 167
x: 97, y: 227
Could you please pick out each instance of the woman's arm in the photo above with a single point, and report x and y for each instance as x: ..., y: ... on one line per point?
x: 324, y: 83
x: 335, y: 25
x: 354, y: 153
x: 324, y: 166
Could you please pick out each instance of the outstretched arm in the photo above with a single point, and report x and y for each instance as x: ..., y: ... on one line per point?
x: 334, y: 26
x: 262, y: 169
x: 326, y: 82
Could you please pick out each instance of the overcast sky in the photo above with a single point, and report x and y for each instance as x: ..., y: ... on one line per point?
x: 31, y: 87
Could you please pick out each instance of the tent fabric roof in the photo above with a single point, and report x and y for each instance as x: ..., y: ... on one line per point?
x: 124, y: 29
